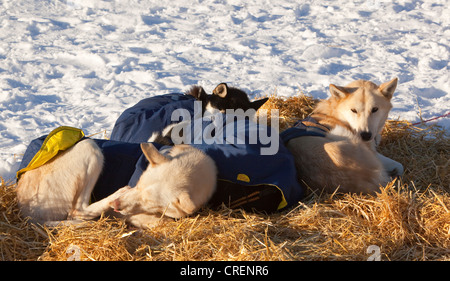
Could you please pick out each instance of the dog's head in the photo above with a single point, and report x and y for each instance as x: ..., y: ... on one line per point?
x: 364, y: 106
x: 224, y: 97
x: 175, y: 184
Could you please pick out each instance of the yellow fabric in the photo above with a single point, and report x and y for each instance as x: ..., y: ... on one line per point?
x: 59, y: 139
x: 283, y: 203
x: 243, y: 177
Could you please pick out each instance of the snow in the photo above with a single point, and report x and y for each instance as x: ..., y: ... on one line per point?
x: 82, y: 62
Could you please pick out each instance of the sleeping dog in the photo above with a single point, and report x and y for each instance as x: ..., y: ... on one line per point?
x: 176, y: 183
x: 222, y: 98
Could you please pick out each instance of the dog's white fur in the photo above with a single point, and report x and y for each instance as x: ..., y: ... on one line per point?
x: 173, y: 185
x: 346, y: 157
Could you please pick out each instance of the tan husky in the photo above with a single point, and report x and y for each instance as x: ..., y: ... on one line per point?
x: 173, y: 185
x: 346, y: 157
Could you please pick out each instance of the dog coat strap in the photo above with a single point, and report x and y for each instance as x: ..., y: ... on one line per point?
x: 310, y: 122
x: 307, y: 127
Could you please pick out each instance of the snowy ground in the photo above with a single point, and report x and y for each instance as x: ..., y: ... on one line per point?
x: 82, y: 62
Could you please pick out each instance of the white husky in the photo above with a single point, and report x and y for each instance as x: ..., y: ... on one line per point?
x: 173, y: 185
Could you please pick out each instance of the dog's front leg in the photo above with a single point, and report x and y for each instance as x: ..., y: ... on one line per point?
x: 91, y: 211
x: 96, y: 209
x: 393, y: 168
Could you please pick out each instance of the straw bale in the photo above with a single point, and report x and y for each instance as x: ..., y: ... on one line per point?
x: 409, y: 219
x: 19, y: 240
x: 290, y: 109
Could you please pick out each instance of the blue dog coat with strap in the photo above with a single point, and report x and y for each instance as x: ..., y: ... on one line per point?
x: 124, y: 162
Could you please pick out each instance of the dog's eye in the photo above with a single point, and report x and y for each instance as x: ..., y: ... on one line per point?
x: 375, y: 109
x: 354, y: 110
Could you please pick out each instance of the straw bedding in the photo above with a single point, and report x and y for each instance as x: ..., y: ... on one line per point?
x: 409, y: 219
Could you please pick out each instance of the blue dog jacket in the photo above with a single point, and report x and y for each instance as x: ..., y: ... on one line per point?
x: 138, y: 123
x: 246, y: 178
x: 124, y: 162
x: 244, y: 175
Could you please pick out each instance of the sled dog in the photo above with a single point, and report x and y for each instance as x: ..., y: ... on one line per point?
x: 175, y: 184
x: 222, y: 98
x: 346, y: 157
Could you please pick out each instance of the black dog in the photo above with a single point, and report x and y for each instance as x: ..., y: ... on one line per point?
x: 224, y: 97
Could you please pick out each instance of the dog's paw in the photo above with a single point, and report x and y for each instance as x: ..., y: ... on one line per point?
x: 74, y: 214
x: 113, y: 199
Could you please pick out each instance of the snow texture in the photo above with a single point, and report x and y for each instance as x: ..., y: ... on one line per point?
x: 82, y: 62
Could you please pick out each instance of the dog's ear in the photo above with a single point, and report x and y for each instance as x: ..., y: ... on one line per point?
x: 258, y: 103
x: 341, y: 92
x: 221, y: 90
x: 152, y: 154
x: 338, y: 91
x: 387, y: 89
x: 197, y: 92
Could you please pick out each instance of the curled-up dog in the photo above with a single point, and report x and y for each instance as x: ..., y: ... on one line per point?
x: 177, y: 182
x: 174, y: 185
x: 341, y: 150
x: 223, y: 98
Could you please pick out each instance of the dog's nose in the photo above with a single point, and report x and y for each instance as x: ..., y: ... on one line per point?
x: 366, y: 136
